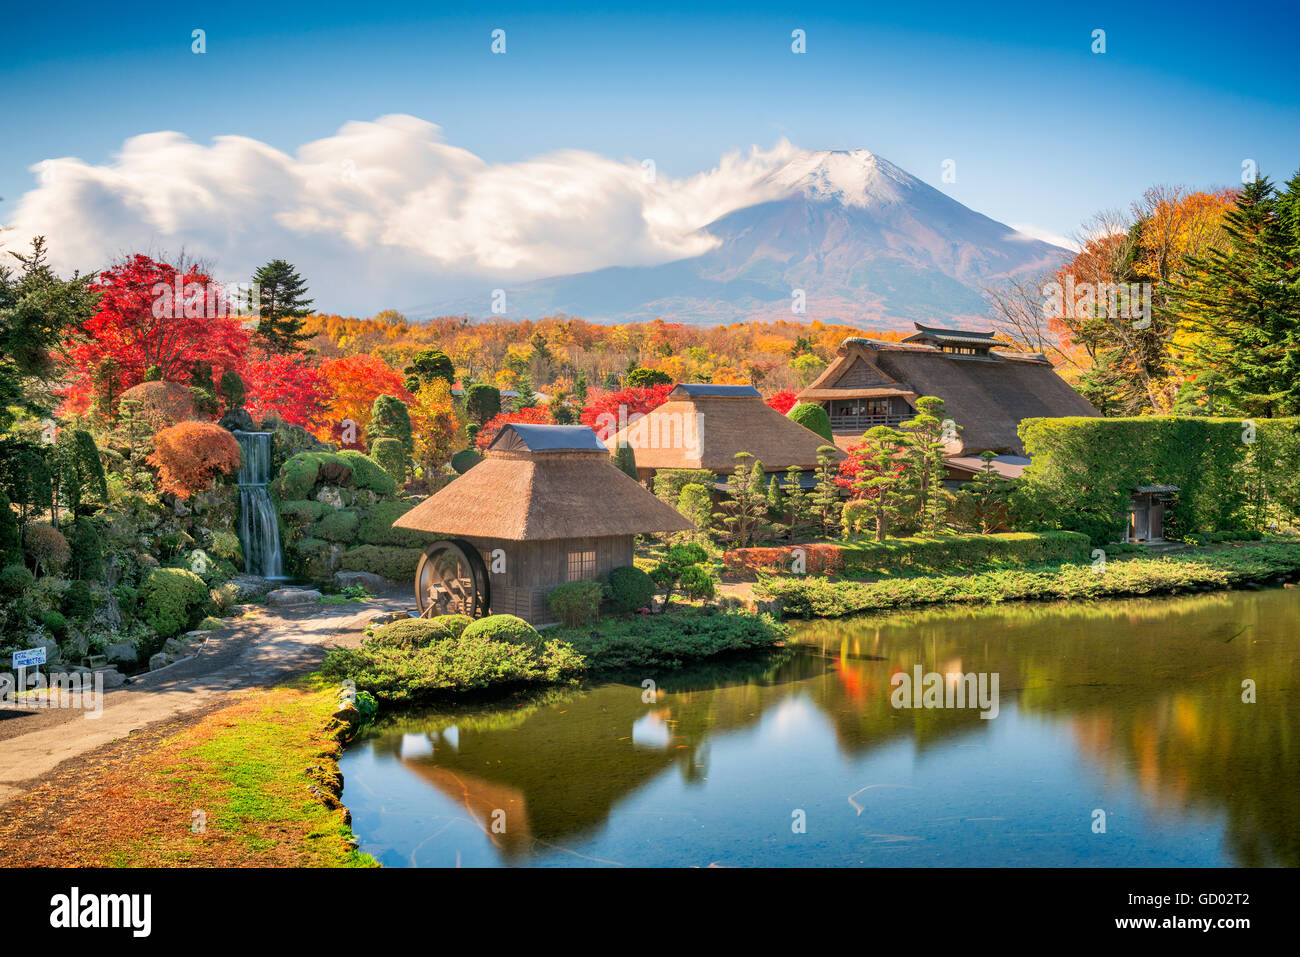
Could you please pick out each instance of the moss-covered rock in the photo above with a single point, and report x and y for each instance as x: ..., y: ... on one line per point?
x: 367, y: 473
x: 302, y: 511
x: 390, y: 561
x: 340, y: 526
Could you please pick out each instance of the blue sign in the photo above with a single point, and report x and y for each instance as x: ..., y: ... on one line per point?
x: 32, y: 656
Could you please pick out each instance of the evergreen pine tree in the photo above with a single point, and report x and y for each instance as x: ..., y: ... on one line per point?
x: 281, y: 303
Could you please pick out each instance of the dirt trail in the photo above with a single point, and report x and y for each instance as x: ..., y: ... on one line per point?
x: 277, y: 644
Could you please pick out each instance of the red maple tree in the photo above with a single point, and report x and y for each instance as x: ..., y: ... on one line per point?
x: 782, y: 401
x: 287, y: 387
x: 152, y: 315
x: 609, y: 412
x: 532, y: 415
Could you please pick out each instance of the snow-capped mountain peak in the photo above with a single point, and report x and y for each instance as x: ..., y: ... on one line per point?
x: 850, y: 177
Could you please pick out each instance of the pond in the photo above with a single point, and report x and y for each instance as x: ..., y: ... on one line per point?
x: 1120, y: 740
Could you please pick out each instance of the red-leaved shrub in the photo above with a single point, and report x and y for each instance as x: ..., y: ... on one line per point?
x: 190, y: 454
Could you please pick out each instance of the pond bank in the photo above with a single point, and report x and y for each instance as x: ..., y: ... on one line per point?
x: 1219, y: 568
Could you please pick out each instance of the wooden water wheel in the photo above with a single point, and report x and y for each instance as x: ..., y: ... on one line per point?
x: 451, y: 579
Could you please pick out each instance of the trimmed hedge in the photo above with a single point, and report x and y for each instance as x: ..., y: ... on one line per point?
x: 377, y: 526
x: 822, y: 598
x: 904, y: 555
x: 409, y: 633
x: 304, y: 471
x: 340, y: 526
x: 630, y: 589
x: 506, y: 628
x: 1083, y: 471
x: 395, y: 564
x: 813, y: 418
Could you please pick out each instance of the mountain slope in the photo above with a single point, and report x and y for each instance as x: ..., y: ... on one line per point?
x: 868, y: 243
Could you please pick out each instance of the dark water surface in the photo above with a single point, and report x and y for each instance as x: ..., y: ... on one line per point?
x: 1132, y: 708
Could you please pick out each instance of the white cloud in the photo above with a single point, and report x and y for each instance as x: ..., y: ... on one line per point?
x: 381, y: 213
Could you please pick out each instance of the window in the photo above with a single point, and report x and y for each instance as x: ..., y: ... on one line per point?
x: 582, y: 566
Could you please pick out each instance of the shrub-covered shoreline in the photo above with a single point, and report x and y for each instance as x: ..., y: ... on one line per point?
x: 817, y: 597
x: 420, y: 660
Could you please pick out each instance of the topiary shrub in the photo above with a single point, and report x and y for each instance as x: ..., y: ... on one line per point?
x: 812, y: 417
x: 391, y: 456
x: 15, y: 582
x: 388, y: 561
x: 45, y: 548
x: 464, y: 460
x: 503, y: 628
x: 172, y: 600
x: 410, y: 633
x: 340, y: 526
x: 190, y: 455
x: 456, y: 624
x: 299, y: 474
x: 630, y: 589
x: 575, y: 603
x: 161, y: 404
x: 377, y: 526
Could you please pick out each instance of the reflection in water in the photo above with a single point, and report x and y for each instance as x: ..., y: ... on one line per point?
x: 1133, y: 707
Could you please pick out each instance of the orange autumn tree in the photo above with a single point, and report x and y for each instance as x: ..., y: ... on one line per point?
x: 352, y: 385
x: 189, y: 455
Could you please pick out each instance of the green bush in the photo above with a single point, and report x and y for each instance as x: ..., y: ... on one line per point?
x: 9, y: 550
x: 172, y: 600
x: 1084, y: 470
x: 621, y: 644
x: 391, y: 456
x: 454, y: 665
x: 388, y: 561
x: 340, y: 526
x: 456, y: 624
x: 55, y: 624
x: 812, y: 417
x: 630, y: 589
x: 15, y: 581
x: 299, y: 475
x: 225, y: 545
x: 575, y: 603
x: 464, y: 460
x: 409, y: 633
x: 682, y: 569
x: 817, y: 597
x: 668, y: 483
x: 86, y: 547
x: 950, y: 552
x: 377, y: 526
x: 624, y: 459
x: 303, y: 511
x: 366, y: 473
x: 78, y: 602
x: 506, y: 628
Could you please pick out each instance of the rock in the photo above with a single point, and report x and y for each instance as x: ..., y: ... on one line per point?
x: 368, y: 580
x: 378, y: 617
x: 237, y: 420
x: 112, y: 677
x: 159, y: 660
x: 121, y: 652
x: 332, y: 496
x: 108, y: 613
x: 251, y: 587
x: 292, y: 596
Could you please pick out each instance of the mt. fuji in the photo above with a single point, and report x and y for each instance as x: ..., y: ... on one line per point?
x: 868, y: 243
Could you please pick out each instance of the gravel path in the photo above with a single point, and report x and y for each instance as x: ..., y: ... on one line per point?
x: 277, y: 644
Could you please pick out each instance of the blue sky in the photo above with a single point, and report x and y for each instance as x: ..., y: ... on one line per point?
x: 1043, y: 131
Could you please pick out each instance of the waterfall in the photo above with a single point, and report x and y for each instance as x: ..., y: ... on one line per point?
x: 259, y: 532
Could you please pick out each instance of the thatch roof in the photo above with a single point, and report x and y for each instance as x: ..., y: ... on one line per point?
x: 987, y: 395
x: 541, y: 482
x: 704, y: 426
